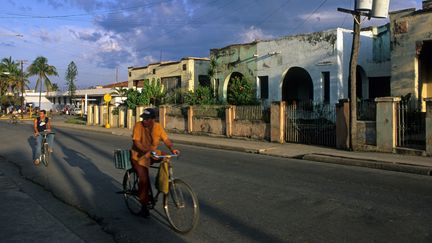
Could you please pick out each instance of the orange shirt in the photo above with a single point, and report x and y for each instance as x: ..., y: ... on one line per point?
x: 150, y: 138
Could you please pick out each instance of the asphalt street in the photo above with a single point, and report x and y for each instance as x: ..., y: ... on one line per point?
x: 243, y: 197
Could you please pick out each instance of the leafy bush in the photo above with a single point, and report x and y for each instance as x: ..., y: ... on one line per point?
x: 240, y: 92
x: 201, y: 96
x: 136, y: 98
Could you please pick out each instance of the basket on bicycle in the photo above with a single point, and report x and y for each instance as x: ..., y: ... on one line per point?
x: 122, y: 159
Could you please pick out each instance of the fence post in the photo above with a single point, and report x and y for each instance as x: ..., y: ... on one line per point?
x: 386, y: 123
x: 102, y: 115
x: 121, y: 117
x: 229, y: 120
x: 111, y: 116
x: 342, y: 124
x: 429, y: 126
x: 139, y: 111
x: 129, y: 119
x: 96, y: 115
x: 277, y: 122
x: 190, y: 119
x: 162, y: 115
x: 90, y: 115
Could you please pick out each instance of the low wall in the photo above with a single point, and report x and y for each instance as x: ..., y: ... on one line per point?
x: 209, y: 125
x: 176, y: 123
x: 366, y: 133
x: 251, y: 129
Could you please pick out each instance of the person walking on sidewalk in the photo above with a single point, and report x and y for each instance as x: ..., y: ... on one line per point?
x: 146, y: 137
x: 41, y: 124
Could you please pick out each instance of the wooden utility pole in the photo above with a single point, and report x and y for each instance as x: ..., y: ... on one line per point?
x: 22, y: 87
x: 353, y: 81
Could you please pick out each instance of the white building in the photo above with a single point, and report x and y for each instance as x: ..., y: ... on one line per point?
x: 306, y: 67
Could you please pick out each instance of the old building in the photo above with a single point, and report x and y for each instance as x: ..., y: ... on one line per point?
x: 187, y: 73
x: 307, y: 67
x: 411, y: 55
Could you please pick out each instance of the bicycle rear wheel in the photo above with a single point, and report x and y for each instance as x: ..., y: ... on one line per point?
x: 130, y: 191
x: 181, y: 206
x: 45, y: 154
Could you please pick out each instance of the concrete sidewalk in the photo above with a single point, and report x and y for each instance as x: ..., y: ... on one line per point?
x: 23, y: 219
x: 386, y: 161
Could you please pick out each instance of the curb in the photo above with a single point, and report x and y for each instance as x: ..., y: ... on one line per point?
x: 374, y: 164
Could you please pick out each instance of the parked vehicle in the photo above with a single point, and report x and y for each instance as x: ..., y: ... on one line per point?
x: 75, y: 111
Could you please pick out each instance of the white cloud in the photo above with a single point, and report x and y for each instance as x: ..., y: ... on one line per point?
x: 253, y: 33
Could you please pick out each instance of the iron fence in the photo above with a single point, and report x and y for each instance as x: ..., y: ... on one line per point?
x: 411, y: 126
x: 311, y: 123
x: 252, y: 113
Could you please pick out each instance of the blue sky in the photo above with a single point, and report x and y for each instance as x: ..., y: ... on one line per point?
x: 101, y: 36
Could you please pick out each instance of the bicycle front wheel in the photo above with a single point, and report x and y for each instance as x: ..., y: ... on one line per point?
x: 181, y: 206
x: 130, y: 191
x: 46, y: 154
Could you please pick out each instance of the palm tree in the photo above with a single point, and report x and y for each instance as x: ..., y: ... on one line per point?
x: 10, y: 76
x: 42, y: 69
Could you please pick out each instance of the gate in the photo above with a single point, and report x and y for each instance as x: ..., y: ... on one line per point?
x: 411, y: 126
x: 311, y: 123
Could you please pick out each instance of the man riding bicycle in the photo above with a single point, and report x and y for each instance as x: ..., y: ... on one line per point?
x: 146, y: 137
x: 41, y: 124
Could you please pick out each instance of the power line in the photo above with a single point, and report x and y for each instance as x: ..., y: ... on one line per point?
x: 313, y: 12
x: 110, y: 11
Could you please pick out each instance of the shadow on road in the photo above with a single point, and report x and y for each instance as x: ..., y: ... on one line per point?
x: 32, y: 143
x: 255, y: 234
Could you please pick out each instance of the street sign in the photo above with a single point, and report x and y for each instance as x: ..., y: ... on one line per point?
x: 107, y: 98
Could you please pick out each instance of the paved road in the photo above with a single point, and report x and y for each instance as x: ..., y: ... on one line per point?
x: 243, y: 197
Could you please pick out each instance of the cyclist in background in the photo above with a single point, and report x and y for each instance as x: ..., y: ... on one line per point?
x: 41, y: 124
x: 146, y: 137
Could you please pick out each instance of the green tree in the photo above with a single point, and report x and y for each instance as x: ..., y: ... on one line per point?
x: 42, y: 70
x: 136, y: 98
x: 10, y: 79
x: 154, y: 90
x: 54, y: 87
x: 240, y: 92
x: 71, y: 74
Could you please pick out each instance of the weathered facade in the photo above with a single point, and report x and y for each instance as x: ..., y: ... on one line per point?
x: 307, y: 67
x: 411, y: 43
x: 187, y: 73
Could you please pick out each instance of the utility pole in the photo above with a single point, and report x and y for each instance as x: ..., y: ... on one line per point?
x: 370, y: 9
x: 353, y: 75
x: 22, y: 87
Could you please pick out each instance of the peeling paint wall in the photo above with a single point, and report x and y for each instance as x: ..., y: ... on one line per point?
x: 327, y: 51
x: 409, y: 29
x: 234, y: 58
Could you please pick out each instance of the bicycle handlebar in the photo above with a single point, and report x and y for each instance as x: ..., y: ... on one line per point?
x: 154, y: 155
x: 46, y: 132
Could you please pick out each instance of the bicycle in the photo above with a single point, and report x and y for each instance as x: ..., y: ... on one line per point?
x: 179, y: 202
x: 13, y: 119
x: 45, y: 149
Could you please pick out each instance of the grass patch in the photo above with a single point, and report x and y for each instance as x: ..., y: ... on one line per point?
x: 77, y: 120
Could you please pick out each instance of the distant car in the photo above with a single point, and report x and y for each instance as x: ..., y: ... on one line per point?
x: 75, y: 111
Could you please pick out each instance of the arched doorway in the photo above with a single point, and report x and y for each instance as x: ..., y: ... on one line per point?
x: 297, y: 86
x: 228, y: 82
